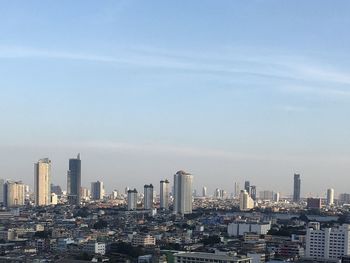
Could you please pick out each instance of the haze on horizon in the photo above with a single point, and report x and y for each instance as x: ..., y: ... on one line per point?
x: 228, y: 91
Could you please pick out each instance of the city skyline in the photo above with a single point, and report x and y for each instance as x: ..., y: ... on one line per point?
x: 233, y: 91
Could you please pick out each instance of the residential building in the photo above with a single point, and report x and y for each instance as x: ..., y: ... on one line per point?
x: 245, y: 201
x: 132, y: 199
x: 297, y: 185
x: 183, y: 193
x: 239, y: 228
x: 200, y: 257
x: 330, y: 196
x: 148, y: 197
x: 74, y: 181
x: 314, y: 203
x: 164, y: 194
x: 42, y: 182
x: 97, y: 190
x: 14, y: 194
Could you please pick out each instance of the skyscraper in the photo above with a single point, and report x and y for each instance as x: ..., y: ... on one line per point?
x: 245, y: 201
x: 97, y: 190
x: 164, y: 194
x: 204, y: 191
x: 296, y: 193
x: 14, y: 194
x: 74, y: 180
x: 253, y: 192
x: 42, y: 182
x: 236, y: 190
x: 183, y: 193
x: 247, y: 186
x: 132, y: 199
x: 148, y: 197
x: 2, y: 192
x: 330, y: 196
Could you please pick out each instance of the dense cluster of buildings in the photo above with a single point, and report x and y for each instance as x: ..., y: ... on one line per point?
x: 176, y: 225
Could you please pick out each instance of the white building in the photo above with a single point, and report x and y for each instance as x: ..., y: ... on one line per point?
x: 132, y: 199
x: 200, y: 257
x: 97, y: 190
x: 54, y: 199
x: 328, y: 243
x: 148, y: 197
x: 183, y: 193
x: 164, y: 194
x: 42, y: 182
x: 93, y: 247
x: 241, y: 227
x: 330, y: 196
x: 245, y: 201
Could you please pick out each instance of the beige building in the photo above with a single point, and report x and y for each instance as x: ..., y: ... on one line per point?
x: 42, y: 182
x: 15, y: 194
x: 245, y: 201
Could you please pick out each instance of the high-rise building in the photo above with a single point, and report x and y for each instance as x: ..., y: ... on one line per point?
x: 344, y: 198
x: 183, y: 193
x: 2, y: 192
x: 253, y: 192
x: 245, y: 201
x: 56, y: 189
x: 132, y: 199
x: 247, y: 186
x: 164, y: 194
x: 74, y: 181
x: 296, y: 192
x: 266, y: 195
x: 14, y: 194
x: 42, y: 182
x: 148, y: 197
x: 276, y: 197
x: 97, y: 190
x: 330, y: 196
x: 204, y: 191
x: 236, y: 190
x: 328, y: 243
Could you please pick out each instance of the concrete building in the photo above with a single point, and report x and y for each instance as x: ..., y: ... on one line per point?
x: 97, y: 190
x: 328, y: 243
x: 183, y: 193
x: 344, y: 198
x: 266, y: 195
x: 74, y: 181
x: 132, y: 199
x: 94, y: 247
x: 245, y: 201
x: 330, y: 196
x: 54, y: 199
x: 296, y: 189
x: 42, y: 182
x: 240, y: 228
x: 164, y: 194
x: 200, y: 257
x: 204, y: 191
x: 2, y: 192
x: 148, y: 197
x: 143, y: 240
x: 14, y: 194
x: 314, y: 203
x: 247, y: 186
x: 253, y: 192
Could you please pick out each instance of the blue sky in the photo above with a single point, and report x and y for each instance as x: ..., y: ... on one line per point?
x: 227, y: 90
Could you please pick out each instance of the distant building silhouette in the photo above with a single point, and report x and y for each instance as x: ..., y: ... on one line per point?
x: 74, y: 181
x: 296, y: 192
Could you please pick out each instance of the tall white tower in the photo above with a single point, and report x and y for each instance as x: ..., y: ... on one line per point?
x: 183, y: 193
x: 330, y: 196
x: 42, y: 182
x: 164, y: 194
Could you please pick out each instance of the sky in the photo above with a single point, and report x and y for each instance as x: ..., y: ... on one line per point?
x: 226, y: 90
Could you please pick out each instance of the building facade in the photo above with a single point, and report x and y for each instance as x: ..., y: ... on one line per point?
x: 132, y: 199
x: 14, y: 194
x: 164, y: 194
x: 296, y: 189
x: 74, y: 181
x: 97, y: 190
x: 245, y: 201
x: 330, y: 196
x: 183, y: 193
x: 148, y: 197
x: 42, y: 182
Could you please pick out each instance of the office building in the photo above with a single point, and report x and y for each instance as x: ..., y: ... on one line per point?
x: 266, y: 195
x: 204, y: 191
x: 328, y: 243
x: 132, y: 199
x: 200, y: 257
x: 314, y: 203
x: 344, y: 198
x: 330, y: 196
x: 245, y: 201
x: 97, y: 190
x: 236, y: 190
x: 239, y: 228
x: 164, y: 194
x: 14, y: 194
x: 42, y: 182
x: 74, y: 181
x: 2, y: 192
x: 148, y: 197
x: 183, y: 193
x: 297, y: 185
x: 247, y: 186
x: 253, y: 192
x: 276, y: 197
